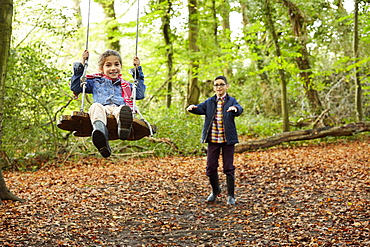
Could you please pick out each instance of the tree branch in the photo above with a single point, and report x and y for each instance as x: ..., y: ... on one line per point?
x: 300, y: 135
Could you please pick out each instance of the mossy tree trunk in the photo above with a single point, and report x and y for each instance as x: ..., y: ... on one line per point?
x: 193, y: 86
x: 6, y: 14
x: 298, y: 22
x: 112, y: 30
x: 168, y: 36
x: 283, y: 83
x: 270, y: 105
x: 358, y: 96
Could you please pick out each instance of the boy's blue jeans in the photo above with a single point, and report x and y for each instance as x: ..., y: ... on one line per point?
x: 213, y: 153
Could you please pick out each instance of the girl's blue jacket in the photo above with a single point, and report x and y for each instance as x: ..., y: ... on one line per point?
x: 105, y: 91
x: 208, y: 108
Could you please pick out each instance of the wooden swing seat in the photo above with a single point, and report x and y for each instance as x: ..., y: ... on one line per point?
x: 79, y: 122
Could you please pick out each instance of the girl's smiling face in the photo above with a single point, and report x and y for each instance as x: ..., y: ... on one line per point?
x: 112, y: 67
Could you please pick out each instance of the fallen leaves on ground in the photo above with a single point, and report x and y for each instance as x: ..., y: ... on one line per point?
x: 314, y: 195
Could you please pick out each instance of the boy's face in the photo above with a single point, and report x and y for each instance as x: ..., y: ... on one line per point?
x: 220, y: 87
x: 112, y: 67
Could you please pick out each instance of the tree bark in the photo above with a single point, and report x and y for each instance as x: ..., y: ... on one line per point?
x: 6, y: 15
x: 226, y: 37
x: 193, y: 86
x: 167, y: 35
x: 270, y: 106
x: 77, y: 12
x: 300, y: 135
x: 283, y: 83
x: 111, y: 29
x: 215, y: 22
x: 297, y: 21
x: 5, y: 193
x: 358, y: 97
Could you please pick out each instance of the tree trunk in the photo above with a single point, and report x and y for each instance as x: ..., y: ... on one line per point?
x: 215, y: 22
x: 358, y: 97
x: 5, y: 193
x: 299, y: 30
x: 345, y: 130
x: 226, y: 37
x: 283, y: 83
x: 6, y: 14
x: 193, y: 86
x: 77, y: 12
x: 167, y: 35
x: 269, y: 105
x: 112, y: 25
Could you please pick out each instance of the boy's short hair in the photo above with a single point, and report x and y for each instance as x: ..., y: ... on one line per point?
x: 222, y: 78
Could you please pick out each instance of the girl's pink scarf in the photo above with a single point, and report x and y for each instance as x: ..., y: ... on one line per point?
x: 126, y: 88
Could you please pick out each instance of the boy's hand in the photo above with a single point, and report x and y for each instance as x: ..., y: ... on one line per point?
x: 85, y: 56
x: 232, y: 108
x: 191, y: 107
x: 136, y: 62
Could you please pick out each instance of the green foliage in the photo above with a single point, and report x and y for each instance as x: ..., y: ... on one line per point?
x: 182, y: 129
x: 33, y: 96
x: 47, y: 38
x: 257, y: 126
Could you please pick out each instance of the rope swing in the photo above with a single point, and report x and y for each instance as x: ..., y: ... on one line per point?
x: 135, y: 108
x: 79, y: 122
x: 83, y: 77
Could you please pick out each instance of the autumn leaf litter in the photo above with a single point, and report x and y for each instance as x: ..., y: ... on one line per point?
x: 314, y: 195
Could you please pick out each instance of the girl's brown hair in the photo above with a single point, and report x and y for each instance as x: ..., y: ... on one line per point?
x: 106, y: 54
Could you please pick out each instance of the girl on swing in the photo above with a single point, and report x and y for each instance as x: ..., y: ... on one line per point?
x: 111, y: 94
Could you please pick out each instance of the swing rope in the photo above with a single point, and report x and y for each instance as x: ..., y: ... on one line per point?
x: 88, y: 27
x: 83, y: 77
x: 137, y: 26
x: 135, y: 108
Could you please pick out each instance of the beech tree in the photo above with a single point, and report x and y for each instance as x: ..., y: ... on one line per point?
x: 270, y: 104
x: 193, y: 87
x: 358, y: 97
x: 112, y: 29
x: 299, y: 28
x: 168, y: 37
x: 226, y: 33
x: 284, y: 98
x: 6, y: 14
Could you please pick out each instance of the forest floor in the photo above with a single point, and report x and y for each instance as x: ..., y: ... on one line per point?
x: 316, y: 195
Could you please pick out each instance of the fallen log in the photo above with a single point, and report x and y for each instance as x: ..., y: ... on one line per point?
x: 300, y: 135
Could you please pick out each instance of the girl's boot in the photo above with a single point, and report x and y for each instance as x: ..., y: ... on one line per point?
x: 124, y: 122
x: 100, y: 138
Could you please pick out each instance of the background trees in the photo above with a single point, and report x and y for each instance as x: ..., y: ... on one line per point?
x: 183, y: 47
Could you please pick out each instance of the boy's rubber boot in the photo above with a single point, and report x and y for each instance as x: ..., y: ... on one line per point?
x: 100, y: 138
x: 216, y: 190
x: 230, y: 181
x: 124, y: 122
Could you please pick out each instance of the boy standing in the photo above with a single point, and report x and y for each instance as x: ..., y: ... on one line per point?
x: 219, y: 132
